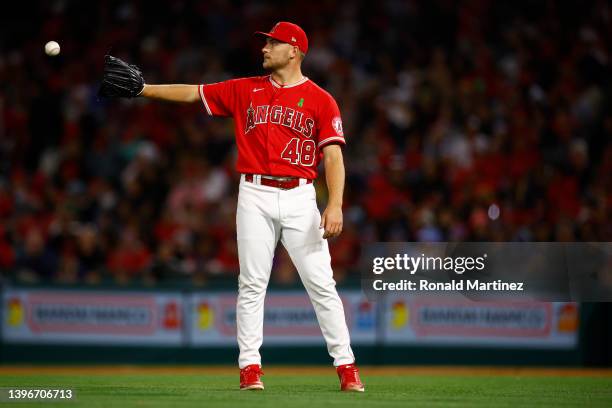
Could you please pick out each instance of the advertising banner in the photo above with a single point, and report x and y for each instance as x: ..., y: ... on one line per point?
x: 203, y: 319
x: 427, y: 321
x: 87, y: 317
x: 289, y: 319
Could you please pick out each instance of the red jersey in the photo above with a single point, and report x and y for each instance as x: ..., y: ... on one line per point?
x: 280, y: 130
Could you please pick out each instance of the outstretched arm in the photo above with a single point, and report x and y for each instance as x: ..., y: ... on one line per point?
x: 123, y: 80
x: 331, y: 220
x: 172, y: 93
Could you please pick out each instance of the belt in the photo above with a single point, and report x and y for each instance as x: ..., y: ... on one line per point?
x: 284, y: 183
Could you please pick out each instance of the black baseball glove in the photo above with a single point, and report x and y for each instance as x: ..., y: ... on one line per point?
x: 120, y: 79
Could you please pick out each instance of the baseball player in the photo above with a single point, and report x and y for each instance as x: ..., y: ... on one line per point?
x: 285, y: 125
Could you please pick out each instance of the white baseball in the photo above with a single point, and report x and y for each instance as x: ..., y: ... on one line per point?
x: 52, y: 48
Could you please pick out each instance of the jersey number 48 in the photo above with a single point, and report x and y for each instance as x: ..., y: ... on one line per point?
x: 302, y: 152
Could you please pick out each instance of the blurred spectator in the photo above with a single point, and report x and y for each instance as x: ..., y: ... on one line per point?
x: 90, y: 254
x: 130, y: 258
x: 35, y: 260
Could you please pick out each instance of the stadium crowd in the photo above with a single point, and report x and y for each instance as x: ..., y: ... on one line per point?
x: 476, y: 121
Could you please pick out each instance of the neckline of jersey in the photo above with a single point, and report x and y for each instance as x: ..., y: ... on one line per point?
x: 277, y: 85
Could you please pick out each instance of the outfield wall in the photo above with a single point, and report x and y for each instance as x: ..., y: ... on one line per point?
x: 46, y: 324
x: 208, y: 319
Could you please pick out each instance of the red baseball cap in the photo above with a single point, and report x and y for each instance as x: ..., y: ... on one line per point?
x: 288, y: 33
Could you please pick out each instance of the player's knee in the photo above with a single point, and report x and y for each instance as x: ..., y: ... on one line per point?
x: 252, y: 285
x: 325, y: 287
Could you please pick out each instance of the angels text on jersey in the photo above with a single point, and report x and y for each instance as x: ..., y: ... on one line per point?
x: 279, y: 115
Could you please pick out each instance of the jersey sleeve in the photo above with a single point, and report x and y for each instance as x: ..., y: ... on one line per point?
x: 330, y: 124
x: 219, y: 99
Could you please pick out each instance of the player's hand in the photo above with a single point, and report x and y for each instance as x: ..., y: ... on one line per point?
x: 331, y: 221
x: 120, y: 79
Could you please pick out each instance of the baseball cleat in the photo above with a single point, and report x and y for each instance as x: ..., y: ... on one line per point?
x: 250, y: 378
x: 349, y: 378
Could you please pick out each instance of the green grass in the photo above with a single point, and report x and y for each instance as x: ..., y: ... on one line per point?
x: 314, y: 391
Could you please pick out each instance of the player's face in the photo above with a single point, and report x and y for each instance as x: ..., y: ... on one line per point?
x: 276, y: 54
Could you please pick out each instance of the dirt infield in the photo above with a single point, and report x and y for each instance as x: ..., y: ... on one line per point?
x: 306, y: 370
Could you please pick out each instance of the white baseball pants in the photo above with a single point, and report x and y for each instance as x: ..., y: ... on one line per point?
x: 265, y: 215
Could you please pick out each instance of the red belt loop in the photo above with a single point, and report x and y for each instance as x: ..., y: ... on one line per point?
x: 282, y: 184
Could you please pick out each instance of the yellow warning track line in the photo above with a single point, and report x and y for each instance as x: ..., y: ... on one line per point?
x: 303, y: 370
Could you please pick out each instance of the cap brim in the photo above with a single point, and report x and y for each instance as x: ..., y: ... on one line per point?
x: 268, y: 35
x: 261, y: 33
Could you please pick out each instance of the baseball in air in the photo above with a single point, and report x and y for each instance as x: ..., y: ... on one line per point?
x: 52, y: 48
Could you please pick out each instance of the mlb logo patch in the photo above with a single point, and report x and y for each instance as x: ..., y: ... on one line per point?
x: 337, y: 125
